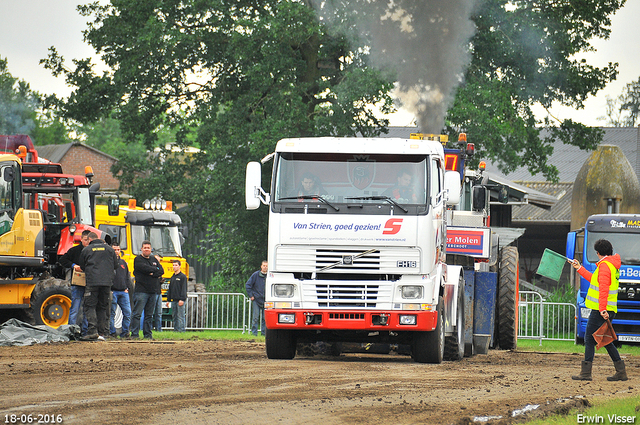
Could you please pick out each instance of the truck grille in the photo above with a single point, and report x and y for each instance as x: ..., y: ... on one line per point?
x: 341, y: 295
x: 346, y: 316
x: 327, y: 257
x: 308, y: 259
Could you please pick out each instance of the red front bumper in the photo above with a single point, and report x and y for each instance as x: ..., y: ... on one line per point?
x: 312, y: 319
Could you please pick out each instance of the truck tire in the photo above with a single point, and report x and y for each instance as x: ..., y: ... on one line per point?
x: 454, y: 347
x: 428, y: 347
x: 281, y: 344
x: 51, y: 306
x: 197, y: 307
x: 508, y: 294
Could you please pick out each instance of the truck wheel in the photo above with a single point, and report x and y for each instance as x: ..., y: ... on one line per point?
x: 428, y: 347
x: 454, y: 345
x: 508, y: 294
x: 51, y: 307
x: 197, y: 307
x: 281, y: 344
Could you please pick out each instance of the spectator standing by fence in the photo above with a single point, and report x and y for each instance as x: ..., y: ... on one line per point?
x: 255, y: 291
x: 177, y: 295
x: 147, y: 271
x: 120, y: 295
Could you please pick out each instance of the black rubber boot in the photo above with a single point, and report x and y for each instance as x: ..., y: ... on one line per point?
x: 621, y: 373
x: 585, y: 373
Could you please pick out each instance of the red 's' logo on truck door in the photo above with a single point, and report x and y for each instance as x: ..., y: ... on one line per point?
x: 392, y: 226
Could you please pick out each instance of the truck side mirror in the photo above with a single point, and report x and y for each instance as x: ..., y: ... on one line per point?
x: 452, y: 186
x: 113, y: 205
x: 571, y: 245
x: 9, y: 174
x: 479, y: 198
x: 253, y: 185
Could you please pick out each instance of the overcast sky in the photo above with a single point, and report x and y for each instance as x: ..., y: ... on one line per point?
x: 30, y: 27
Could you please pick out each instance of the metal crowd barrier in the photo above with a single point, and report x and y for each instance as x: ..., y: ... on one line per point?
x: 210, y: 311
x: 218, y: 311
x: 539, y: 319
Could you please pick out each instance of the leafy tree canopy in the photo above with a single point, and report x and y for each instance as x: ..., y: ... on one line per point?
x: 231, y: 77
x: 22, y: 111
x: 523, y: 53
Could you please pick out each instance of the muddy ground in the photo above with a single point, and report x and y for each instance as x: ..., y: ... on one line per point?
x: 232, y: 382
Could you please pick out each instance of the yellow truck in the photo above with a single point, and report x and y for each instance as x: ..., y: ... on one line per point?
x: 154, y: 221
x: 27, y: 289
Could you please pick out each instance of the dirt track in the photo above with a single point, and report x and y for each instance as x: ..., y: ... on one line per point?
x: 225, y: 382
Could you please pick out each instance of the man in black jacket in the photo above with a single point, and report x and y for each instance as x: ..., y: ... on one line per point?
x: 255, y: 290
x: 70, y: 260
x: 147, y: 271
x: 177, y: 295
x: 99, y: 262
x: 120, y: 295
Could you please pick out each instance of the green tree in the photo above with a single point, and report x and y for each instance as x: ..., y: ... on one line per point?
x: 244, y: 74
x: 18, y: 103
x: 50, y: 129
x: 106, y: 136
x: 233, y: 77
x: 519, y: 54
x: 22, y: 111
x: 522, y: 55
x: 623, y: 111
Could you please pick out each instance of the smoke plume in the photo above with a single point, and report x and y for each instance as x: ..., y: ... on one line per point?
x: 425, y: 41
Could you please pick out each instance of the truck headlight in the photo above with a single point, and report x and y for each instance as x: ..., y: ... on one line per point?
x: 411, y: 292
x: 289, y: 318
x: 585, y: 312
x: 282, y: 290
x: 408, y: 319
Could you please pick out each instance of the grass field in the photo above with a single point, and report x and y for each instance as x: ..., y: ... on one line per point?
x: 204, y: 335
x: 569, y: 347
x: 623, y: 410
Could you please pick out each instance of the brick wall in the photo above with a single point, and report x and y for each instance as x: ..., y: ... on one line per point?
x: 80, y: 156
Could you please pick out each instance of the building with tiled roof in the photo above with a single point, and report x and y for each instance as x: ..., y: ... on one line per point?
x: 75, y: 156
x: 569, y: 159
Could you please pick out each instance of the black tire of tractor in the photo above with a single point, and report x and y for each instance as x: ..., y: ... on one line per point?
x: 280, y: 344
x: 51, y: 306
x: 428, y: 347
x: 197, y: 307
x: 454, y: 347
x: 508, y: 294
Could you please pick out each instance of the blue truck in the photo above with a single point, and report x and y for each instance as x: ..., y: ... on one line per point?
x: 623, y: 231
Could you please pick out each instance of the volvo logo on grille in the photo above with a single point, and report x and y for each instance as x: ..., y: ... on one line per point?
x: 347, y: 260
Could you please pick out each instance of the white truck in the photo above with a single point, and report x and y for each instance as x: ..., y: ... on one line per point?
x: 357, y: 248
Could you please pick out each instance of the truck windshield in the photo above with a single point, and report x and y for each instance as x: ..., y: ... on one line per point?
x: 165, y: 241
x: 340, y: 178
x: 625, y: 244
